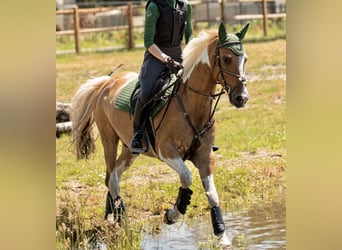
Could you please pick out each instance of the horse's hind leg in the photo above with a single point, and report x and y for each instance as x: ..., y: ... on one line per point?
x: 116, y: 206
x: 110, y: 141
x: 125, y: 160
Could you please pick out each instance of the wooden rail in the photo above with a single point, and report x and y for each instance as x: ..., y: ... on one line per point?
x: 77, y: 30
x: 258, y: 16
x: 265, y: 16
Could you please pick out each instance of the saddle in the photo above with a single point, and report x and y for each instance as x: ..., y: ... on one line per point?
x: 127, y: 99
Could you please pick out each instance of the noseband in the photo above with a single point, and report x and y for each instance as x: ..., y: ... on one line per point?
x: 224, y: 83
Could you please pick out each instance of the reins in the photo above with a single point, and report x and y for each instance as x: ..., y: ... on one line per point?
x: 198, y: 133
x: 159, y: 95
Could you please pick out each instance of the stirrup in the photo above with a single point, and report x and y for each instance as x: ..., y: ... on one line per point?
x: 142, y: 149
x: 214, y: 147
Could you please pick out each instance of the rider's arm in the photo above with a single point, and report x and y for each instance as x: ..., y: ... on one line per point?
x: 154, y: 50
x: 151, y: 17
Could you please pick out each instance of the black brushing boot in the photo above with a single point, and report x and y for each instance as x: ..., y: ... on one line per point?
x: 183, y: 199
x: 217, y: 220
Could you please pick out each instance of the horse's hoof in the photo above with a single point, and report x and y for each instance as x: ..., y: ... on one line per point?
x: 166, y: 217
x: 224, y: 241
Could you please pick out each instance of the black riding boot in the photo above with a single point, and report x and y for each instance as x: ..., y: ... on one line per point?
x: 140, y: 115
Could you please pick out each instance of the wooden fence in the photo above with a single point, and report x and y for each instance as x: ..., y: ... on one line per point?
x: 265, y: 16
x: 128, y: 10
x: 77, y: 30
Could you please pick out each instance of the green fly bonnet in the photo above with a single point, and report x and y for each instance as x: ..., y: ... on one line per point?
x: 232, y: 41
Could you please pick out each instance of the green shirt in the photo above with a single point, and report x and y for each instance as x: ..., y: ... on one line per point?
x: 151, y: 17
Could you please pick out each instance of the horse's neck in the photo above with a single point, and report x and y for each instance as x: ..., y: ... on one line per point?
x: 195, y: 94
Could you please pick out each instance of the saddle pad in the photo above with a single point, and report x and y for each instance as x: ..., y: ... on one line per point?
x: 122, y: 101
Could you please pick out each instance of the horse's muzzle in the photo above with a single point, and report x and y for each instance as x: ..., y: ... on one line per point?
x: 239, y: 96
x: 240, y: 100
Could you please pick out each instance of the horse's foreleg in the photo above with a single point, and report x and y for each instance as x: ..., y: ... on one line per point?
x: 206, y: 170
x: 215, y: 210
x: 184, y: 192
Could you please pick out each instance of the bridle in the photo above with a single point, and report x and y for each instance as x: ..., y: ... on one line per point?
x: 224, y: 83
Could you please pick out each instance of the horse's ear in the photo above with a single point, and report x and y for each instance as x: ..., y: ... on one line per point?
x: 222, y: 33
x: 241, y: 34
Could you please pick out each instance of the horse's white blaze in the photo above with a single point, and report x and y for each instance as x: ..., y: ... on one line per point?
x: 179, y: 166
x: 210, y: 190
x: 242, y: 60
x: 241, y: 64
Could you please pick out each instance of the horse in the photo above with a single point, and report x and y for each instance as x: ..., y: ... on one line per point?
x: 186, y: 125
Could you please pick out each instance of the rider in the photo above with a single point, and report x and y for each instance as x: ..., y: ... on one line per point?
x: 166, y: 23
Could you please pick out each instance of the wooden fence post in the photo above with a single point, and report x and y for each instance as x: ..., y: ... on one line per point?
x: 130, y: 26
x: 77, y: 29
x: 264, y: 12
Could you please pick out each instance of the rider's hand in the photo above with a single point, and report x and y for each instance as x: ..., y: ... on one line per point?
x: 173, y: 65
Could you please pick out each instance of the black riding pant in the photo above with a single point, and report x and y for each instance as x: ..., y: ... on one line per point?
x: 149, y: 74
x: 151, y: 70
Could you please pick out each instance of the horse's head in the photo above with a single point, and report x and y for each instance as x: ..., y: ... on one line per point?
x: 229, y: 69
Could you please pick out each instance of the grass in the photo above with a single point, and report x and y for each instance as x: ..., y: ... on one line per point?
x: 251, y: 162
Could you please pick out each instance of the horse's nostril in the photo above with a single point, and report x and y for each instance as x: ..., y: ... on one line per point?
x: 239, y: 99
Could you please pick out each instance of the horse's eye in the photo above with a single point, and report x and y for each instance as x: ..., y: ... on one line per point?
x: 227, y: 60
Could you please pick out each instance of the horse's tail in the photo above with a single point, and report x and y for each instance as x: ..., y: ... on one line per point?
x: 82, y: 116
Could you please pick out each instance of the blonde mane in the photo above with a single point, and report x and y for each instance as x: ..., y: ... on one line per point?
x: 192, y: 52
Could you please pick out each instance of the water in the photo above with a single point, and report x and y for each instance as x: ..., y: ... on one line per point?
x: 261, y: 227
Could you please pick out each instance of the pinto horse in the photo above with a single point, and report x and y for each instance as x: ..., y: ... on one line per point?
x: 185, y: 130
